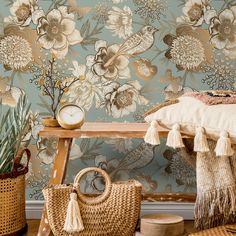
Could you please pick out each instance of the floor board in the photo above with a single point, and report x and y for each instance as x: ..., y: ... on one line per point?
x: 34, y: 224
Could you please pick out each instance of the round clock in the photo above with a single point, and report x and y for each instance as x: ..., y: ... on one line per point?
x: 70, y: 116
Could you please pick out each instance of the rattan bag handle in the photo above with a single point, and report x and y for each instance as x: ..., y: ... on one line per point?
x: 18, y: 158
x: 100, y: 198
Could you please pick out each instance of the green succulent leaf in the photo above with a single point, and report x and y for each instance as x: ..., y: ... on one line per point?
x: 13, y: 125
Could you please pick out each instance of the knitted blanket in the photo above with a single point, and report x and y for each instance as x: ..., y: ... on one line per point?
x: 214, y: 97
x: 216, y: 189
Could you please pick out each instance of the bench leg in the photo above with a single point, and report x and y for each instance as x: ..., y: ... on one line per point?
x: 57, y: 177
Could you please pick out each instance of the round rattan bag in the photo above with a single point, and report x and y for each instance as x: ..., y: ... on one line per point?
x: 114, y: 212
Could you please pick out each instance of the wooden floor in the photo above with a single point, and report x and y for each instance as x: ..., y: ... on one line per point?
x: 34, y: 224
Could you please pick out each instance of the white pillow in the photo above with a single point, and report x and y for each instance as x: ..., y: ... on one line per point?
x: 191, y: 113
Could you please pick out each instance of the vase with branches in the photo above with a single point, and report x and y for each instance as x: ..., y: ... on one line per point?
x: 53, y: 80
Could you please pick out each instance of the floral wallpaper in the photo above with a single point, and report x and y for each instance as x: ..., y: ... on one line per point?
x: 116, y: 59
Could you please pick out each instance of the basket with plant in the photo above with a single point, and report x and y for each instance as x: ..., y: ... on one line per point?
x: 13, y: 128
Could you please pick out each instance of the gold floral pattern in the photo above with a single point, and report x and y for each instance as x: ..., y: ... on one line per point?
x: 196, y: 12
x: 121, y: 100
x: 120, y: 21
x: 22, y: 12
x: 144, y: 69
x: 19, y: 47
x: 118, y: 69
x: 223, y: 29
x: 57, y: 31
x: 189, y: 48
x: 115, y: 59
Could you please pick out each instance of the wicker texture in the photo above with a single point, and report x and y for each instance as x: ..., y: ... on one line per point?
x: 217, y: 231
x: 12, y: 198
x: 113, y: 213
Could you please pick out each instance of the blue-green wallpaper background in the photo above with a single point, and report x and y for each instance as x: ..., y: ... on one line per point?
x: 162, y: 49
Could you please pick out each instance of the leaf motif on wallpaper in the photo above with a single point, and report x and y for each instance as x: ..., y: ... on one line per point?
x: 175, y: 87
x: 136, y: 44
x: 1, y: 26
x: 90, y: 149
x: 56, y: 3
x: 90, y: 35
x: 8, y: 95
x: 44, y: 104
x: 80, y: 11
x: 139, y: 157
x: 167, y: 26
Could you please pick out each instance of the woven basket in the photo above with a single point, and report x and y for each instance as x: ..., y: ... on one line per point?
x: 12, y: 199
x: 113, y: 213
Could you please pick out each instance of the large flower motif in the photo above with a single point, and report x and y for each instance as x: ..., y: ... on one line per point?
x: 120, y: 100
x: 57, y: 31
x: 196, y: 12
x: 19, y: 47
x: 223, y: 29
x: 118, y: 69
x: 144, y: 69
x: 22, y: 12
x: 120, y: 21
x: 87, y: 90
x: 190, y: 48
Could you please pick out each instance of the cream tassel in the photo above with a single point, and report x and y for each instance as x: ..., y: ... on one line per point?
x: 200, y: 141
x: 174, y: 138
x: 73, y: 221
x: 223, y: 146
x: 152, y: 136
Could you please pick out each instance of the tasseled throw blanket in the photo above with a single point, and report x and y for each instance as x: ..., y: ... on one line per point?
x: 215, y: 161
x: 216, y: 189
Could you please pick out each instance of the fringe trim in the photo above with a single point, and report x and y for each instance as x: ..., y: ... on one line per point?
x: 216, y: 207
x: 159, y: 106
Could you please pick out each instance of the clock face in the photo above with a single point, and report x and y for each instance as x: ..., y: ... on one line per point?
x: 71, y: 114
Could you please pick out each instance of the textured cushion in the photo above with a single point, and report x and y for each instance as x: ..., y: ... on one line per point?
x: 191, y: 113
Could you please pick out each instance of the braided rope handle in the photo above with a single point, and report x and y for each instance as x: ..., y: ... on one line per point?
x: 93, y: 200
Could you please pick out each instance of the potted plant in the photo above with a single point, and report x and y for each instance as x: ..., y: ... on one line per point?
x: 13, y: 128
x: 53, y: 80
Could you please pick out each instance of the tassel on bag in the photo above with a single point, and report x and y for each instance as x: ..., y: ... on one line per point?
x: 73, y: 221
x: 223, y: 145
x: 174, y: 138
x: 200, y: 141
x: 152, y: 136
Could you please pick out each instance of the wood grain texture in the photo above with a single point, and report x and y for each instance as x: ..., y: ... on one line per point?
x: 102, y: 130
x: 57, y: 177
x: 34, y: 224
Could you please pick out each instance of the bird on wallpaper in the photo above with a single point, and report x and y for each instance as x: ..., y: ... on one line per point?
x: 137, y: 158
x: 80, y: 11
x: 136, y: 43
